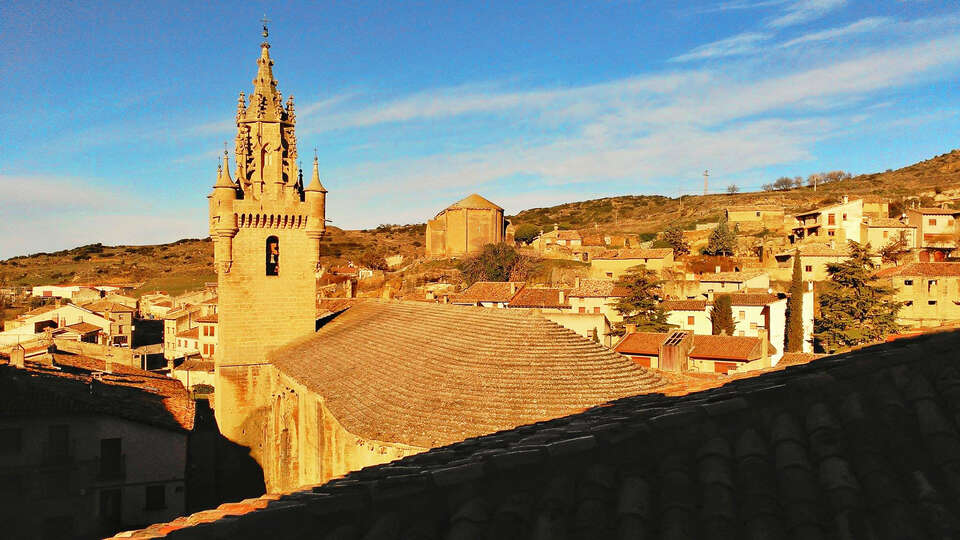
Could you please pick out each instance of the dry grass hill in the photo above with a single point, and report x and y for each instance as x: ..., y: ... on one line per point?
x: 187, y: 264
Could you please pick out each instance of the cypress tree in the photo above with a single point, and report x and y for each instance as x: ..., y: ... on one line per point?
x: 794, y: 330
x: 721, y: 317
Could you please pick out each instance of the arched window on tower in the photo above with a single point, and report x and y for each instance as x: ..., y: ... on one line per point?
x: 273, y: 256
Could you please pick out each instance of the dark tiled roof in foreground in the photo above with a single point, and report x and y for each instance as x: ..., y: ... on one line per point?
x: 70, y: 385
x: 427, y: 374
x: 859, y: 445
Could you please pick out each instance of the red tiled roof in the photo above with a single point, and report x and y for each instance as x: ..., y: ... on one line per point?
x: 82, y: 328
x: 740, y: 348
x: 209, y: 319
x: 637, y: 253
x: 105, y: 305
x: 923, y: 269
x: 489, y: 291
x: 938, y: 211
x: 71, y: 387
x: 729, y: 277
x: 598, y: 288
x: 529, y: 297
x: 163, y: 303
x: 684, y: 305
x: 326, y: 306
x: 192, y: 333
x: 795, y: 359
x: 752, y: 299
x: 462, y: 371
x: 645, y: 343
x: 886, y: 223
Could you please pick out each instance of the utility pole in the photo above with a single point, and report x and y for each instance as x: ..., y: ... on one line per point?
x: 706, y: 174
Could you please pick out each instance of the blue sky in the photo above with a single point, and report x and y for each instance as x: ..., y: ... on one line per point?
x: 114, y: 113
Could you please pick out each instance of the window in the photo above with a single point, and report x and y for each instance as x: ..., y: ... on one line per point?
x: 690, y: 320
x: 908, y: 303
x: 831, y: 219
x: 609, y: 274
x: 932, y: 222
x: 583, y: 309
x: 830, y: 233
x: 110, y: 506
x: 11, y: 441
x: 808, y: 268
x: 272, y: 256
x: 753, y: 326
x: 758, y: 214
x: 844, y: 217
x: 156, y: 497
x: 213, y: 331
x: 886, y: 234
x: 931, y: 302
x: 58, y: 441
x: 908, y: 282
x: 111, y: 458
x: 211, y: 349
x: 743, y: 315
x: 596, y: 310
x: 11, y: 484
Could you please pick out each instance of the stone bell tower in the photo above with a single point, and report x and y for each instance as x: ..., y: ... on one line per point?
x: 266, y: 227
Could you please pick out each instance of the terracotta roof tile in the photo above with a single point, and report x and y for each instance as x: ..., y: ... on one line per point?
x: 637, y: 253
x: 530, y: 297
x: 78, y: 384
x: 923, y: 269
x: 598, y: 288
x: 740, y: 348
x: 192, y: 333
x: 729, y: 277
x: 938, y: 211
x: 753, y: 299
x: 684, y: 305
x: 82, y: 328
x: 463, y: 371
x: 488, y: 291
x: 886, y: 223
x: 106, y: 305
x: 209, y: 319
x: 645, y: 343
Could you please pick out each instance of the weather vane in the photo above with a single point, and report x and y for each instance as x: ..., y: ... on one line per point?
x: 265, y: 20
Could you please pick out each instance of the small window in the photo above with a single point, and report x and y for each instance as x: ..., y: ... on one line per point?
x: 609, y: 274
x: 272, y: 254
x: 156, y: 498
x: 583, y: 309
x: 213, y: 331
x: 596, y: 310
x: 753, y: 326
x: 831, y: 219
x: 758, y: 214
x: 908, y: 303
x: 211, y: 349
x: 908, y: 282
x: 690, y: 320
x: 932, y: 222
x: 931, y: 302
x: 808, y: 268
x: 743, y: 315
x: 886, y: 234
x: 844, y: 217
x: 830, y: 233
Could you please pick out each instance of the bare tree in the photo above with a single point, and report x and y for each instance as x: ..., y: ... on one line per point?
x: 733, y: 188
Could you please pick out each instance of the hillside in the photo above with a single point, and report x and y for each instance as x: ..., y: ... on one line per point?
x: 187, y: 264
x: 639, y: 214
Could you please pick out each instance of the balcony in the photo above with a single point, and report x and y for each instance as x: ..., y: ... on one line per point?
x: 112, y: 468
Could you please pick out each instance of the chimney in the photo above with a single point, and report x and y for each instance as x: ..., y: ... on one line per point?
x: 845, y: 199
x: 630, y: 328
x: 513, y: 288
x: 17, y: 356
x: 576, y: 282
x: 764, y: 347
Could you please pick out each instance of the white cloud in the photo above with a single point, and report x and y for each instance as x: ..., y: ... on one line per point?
x: 859, y: 27
x: 801, y: 11
x: 739, y: 44
x: 738, y: 5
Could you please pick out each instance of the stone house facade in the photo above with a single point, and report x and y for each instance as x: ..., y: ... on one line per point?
x: 840, y: 222
x: 930, y: 293
x: 937, y: 232
x: 614, y: 263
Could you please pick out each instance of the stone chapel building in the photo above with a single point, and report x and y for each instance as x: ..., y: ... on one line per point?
x: 464, y: 227
x: 314, y: 398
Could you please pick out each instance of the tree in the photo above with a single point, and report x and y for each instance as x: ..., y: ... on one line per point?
x: 373, y: 258
x: 794, y: 327
x: 721, y: 316
x: 854, y: 309
x: 722, y: 240
x: 797, y: 181
x: 526, y: 233
x: 783, y: 183
x: 674, y: 237
x: 497, y: 262
x: 733, y: 188
x: 894, y: 250
x: 641, y: 304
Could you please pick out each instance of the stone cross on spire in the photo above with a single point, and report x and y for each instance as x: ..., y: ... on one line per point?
x: 265, y: 21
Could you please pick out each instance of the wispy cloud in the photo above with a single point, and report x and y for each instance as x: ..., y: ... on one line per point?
x: 802, y: 11
x: 859, y: 27
x: 739, y: 44
x: 739, y: 5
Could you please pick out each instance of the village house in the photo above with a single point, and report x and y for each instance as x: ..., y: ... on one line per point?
x: 558, y: 238
x: 755, y: 217
x: 930, y: 292
x: 597, y: 296
x: 155, y: 305
x: 690, y: 315
x: 464, y: 227
x: 613, y: 264
x: 814, y: 259
x: 840, y: 222
x: 937, y: 232
x: 728, y: 282
x: 89, y: 447
x: 683, y: 351
x: 174, y: 323
x: 207, y: 336
x: 69, y: 319
x: 120, y: 333
x: 67, y: 292
x: 876, y: 207
x: 495, y: 294
x: 545, y: 299
x: 882, y: 231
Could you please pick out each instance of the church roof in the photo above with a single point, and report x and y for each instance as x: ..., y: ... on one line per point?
x: 474, y: 201
x: 427, y: 374
x: 859, y: 445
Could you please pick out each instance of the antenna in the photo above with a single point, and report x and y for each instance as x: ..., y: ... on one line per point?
x: 706, y: 175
